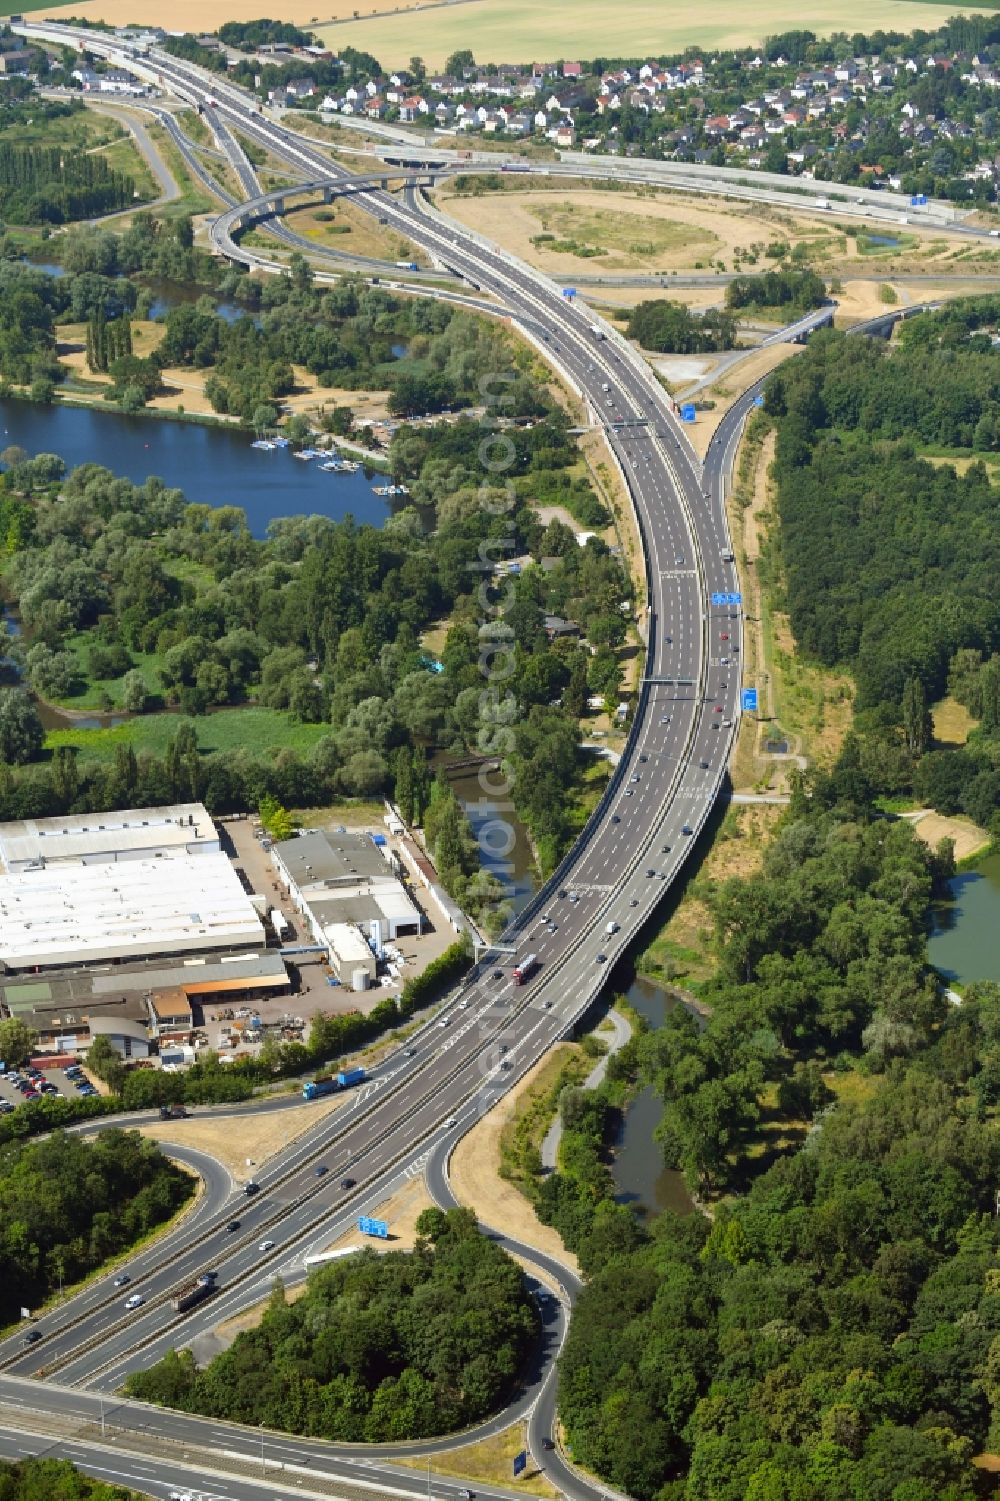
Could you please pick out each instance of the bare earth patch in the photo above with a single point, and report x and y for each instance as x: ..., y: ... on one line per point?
x: 967, y: 837
x: 475, y: 1178
x: 730, y: 386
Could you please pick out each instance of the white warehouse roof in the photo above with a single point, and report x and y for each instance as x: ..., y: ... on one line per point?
x: 133, y: 834
x: 72, y: 913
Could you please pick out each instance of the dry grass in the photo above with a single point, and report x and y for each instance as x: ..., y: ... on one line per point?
x: 400, y: 1211
x: 681, y: 949
x: 811, y: 705
x: 344, y: 227
x: 730, y: 386
x: 476, y: 1181
x: 490, y: 1460
x: 258, y: 1134
x: 952, y: 724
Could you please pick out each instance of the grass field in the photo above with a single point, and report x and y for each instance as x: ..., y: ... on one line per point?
x: 253, y: 729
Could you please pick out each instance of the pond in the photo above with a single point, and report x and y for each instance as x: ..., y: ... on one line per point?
x: 964, y: 943
x: 882, y: 241
x: 212, y: 465
x: 638, y: 1171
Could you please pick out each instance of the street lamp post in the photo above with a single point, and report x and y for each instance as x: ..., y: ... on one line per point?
x: 263, y: 1468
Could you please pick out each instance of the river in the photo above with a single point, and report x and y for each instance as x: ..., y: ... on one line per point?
x: 514, y: 868
x: 213, y: 465
x: 964, y: 942
x: 638, y: 1171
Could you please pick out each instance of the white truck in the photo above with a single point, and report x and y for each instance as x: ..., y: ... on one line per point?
x: 611, y: 929
x: 597, y: 331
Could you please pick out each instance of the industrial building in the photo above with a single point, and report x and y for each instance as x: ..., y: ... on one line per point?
x: 349, y: 890
x: 118, y: 886
x: 125, y: 924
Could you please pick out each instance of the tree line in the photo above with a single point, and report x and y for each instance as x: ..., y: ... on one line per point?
x: 67, y: 1205
x: 45, y: 185
x: 379, y: 1347
x: 885, y: 561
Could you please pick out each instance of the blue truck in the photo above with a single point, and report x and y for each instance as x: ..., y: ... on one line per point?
x: 330, y: 1083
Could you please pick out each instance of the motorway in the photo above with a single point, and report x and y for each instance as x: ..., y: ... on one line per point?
x: 424, y: 1097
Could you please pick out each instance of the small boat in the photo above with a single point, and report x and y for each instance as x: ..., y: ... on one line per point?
x: 280, y: 442
x: 263, y: 443
x: 304, y: 453
x: 381, y: 489
x: 332, y: 466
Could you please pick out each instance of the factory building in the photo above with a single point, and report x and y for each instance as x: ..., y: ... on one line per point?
x: 126, y: 924
x: 350, y: 892
x: 118, y: 886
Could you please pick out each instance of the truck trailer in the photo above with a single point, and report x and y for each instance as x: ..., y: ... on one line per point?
x: 331, y: 1083
x: 194, y: 1293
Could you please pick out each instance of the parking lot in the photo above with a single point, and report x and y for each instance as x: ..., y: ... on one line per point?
x: 19, y: 1086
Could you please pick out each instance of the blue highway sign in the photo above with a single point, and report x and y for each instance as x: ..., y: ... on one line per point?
x: 688, y: 413
x: 748, y: 700
x: 378, y: 1228
x: 520, y: 1463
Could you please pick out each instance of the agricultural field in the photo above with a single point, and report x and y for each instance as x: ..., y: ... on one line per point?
x: 520, y: 30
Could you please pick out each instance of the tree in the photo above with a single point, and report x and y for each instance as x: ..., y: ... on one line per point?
x: 134, y: 692
x: 21, y: 732
x: 458, y: 62
x: 17, y: 1042
x: 105, y: 1061
x: 917, y: 723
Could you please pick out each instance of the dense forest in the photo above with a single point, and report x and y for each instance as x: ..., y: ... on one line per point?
x: 55, y: 1480
x: 67, y: 1205
x: 887, y: 562
x: 799, y: 290
x: 45, y: 185
x: 380, y: 1347
x: 833, y: 1332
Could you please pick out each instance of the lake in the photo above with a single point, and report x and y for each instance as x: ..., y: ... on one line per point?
x: 964, y: 942
x: 212, y: 465
x: 638, y: 1171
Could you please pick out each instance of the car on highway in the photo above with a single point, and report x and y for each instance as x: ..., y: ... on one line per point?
x: 547, y: 1443
x: 615, y: 818
x: 602, y: 958
x: 122, y: 1280
x: 703, y: 765
x: 498, y: 974
x: 644, y: 758
x: 409, y: 1052
x: 665, y: 850
x: 346, y: 1183
x: 266, y: 1245
x: 321, y: 1170
x: 551, y: 928
x: 634, y: 902
x: 630, y: 792
x: 135, y: 1301
x: 233, y: 1225
x: 664, y: 718
x: 686, y: 829
x: 724, y: 636
x: 32, y: 1337
x: 718, y: 708
x: 452, y: 1120
x: 651, y: 873
x: 443, y: 1021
